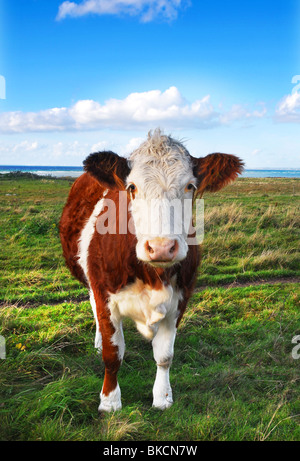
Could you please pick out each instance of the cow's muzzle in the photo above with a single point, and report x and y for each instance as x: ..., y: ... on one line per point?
x: 161, y: 250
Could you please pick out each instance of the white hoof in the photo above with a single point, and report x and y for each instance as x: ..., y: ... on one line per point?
x: 162, y: 391
x: 162, y: 397
x: 110, y: 402
x: 162, y: 403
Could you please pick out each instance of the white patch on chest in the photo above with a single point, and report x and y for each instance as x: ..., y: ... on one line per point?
x: 146, y: 306
x: 87, y: 234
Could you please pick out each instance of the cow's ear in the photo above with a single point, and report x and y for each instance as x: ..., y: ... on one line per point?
x: 108, y: 168
x: 216, y: 170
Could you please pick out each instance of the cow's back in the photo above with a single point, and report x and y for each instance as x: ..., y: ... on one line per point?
x: 83, y: 196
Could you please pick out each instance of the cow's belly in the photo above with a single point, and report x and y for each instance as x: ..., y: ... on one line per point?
x: 147, y: 307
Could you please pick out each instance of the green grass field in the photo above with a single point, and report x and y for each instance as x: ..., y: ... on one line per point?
x: 233, y: 374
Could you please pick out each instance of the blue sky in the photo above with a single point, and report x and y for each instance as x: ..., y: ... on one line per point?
x: 99, y: 74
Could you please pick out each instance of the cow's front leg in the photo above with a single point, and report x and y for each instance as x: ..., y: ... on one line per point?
x: 163, y: 349
x: 112, y: 353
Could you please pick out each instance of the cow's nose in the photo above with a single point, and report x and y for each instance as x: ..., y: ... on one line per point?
x: 161, y: 249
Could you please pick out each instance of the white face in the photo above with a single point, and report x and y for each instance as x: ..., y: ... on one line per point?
x: 161, y: 184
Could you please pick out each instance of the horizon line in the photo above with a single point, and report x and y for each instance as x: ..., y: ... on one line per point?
x: 81, y: 167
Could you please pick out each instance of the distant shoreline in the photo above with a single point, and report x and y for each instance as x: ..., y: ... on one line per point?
x: 75, y: 171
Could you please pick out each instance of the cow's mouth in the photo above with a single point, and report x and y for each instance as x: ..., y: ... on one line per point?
x: 163, y: 264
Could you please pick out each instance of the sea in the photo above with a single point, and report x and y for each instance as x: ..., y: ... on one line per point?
x: 75, y: 171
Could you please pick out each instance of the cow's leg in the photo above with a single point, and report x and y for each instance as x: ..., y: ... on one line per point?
x: 163, y: 349
x: 112, y: 353
x: 98, y: 339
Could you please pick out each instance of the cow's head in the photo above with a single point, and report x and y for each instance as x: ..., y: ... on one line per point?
x: 160, y: 177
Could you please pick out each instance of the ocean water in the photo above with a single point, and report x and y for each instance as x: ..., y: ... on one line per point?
x: 292, y: 173
x: 55, y: 171
x: 75, y: 171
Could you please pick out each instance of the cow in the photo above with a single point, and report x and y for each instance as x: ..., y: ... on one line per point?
x: 146, y: 276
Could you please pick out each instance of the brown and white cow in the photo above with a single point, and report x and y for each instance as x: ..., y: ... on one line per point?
x: 146, y: 276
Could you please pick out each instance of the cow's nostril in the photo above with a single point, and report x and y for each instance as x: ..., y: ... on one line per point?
x: 150, y: 249
x: 172, y: 249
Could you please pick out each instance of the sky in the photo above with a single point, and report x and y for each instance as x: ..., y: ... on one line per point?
x: 88, y: 75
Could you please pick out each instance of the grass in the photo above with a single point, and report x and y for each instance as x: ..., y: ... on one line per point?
x: 233, y: 374
x: 252, y: 232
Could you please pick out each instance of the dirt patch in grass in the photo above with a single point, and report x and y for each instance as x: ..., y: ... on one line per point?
x: 255, y: 283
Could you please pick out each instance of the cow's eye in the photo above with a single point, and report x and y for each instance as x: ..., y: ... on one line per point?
x: 131, y: 187
x: 190, y: 186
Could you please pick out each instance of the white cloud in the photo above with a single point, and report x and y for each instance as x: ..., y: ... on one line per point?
x: 56, y: 119
x: 147, y: 10
x: 99, y: 146
x: 256, y: 152
x: 137, y: 111
x: 25, y: 146
x: 63, y: 149
x: 288, y: 109
x: 239, y: 112
x: 132, y: 144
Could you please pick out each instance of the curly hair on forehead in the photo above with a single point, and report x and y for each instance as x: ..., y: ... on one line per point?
x: 159, y: 146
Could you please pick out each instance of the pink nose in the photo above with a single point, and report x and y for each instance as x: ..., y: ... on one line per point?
x: 161, y: 249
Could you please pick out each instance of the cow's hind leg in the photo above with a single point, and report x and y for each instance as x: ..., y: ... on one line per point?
x: 112, y: 353
x: 163, y: 347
